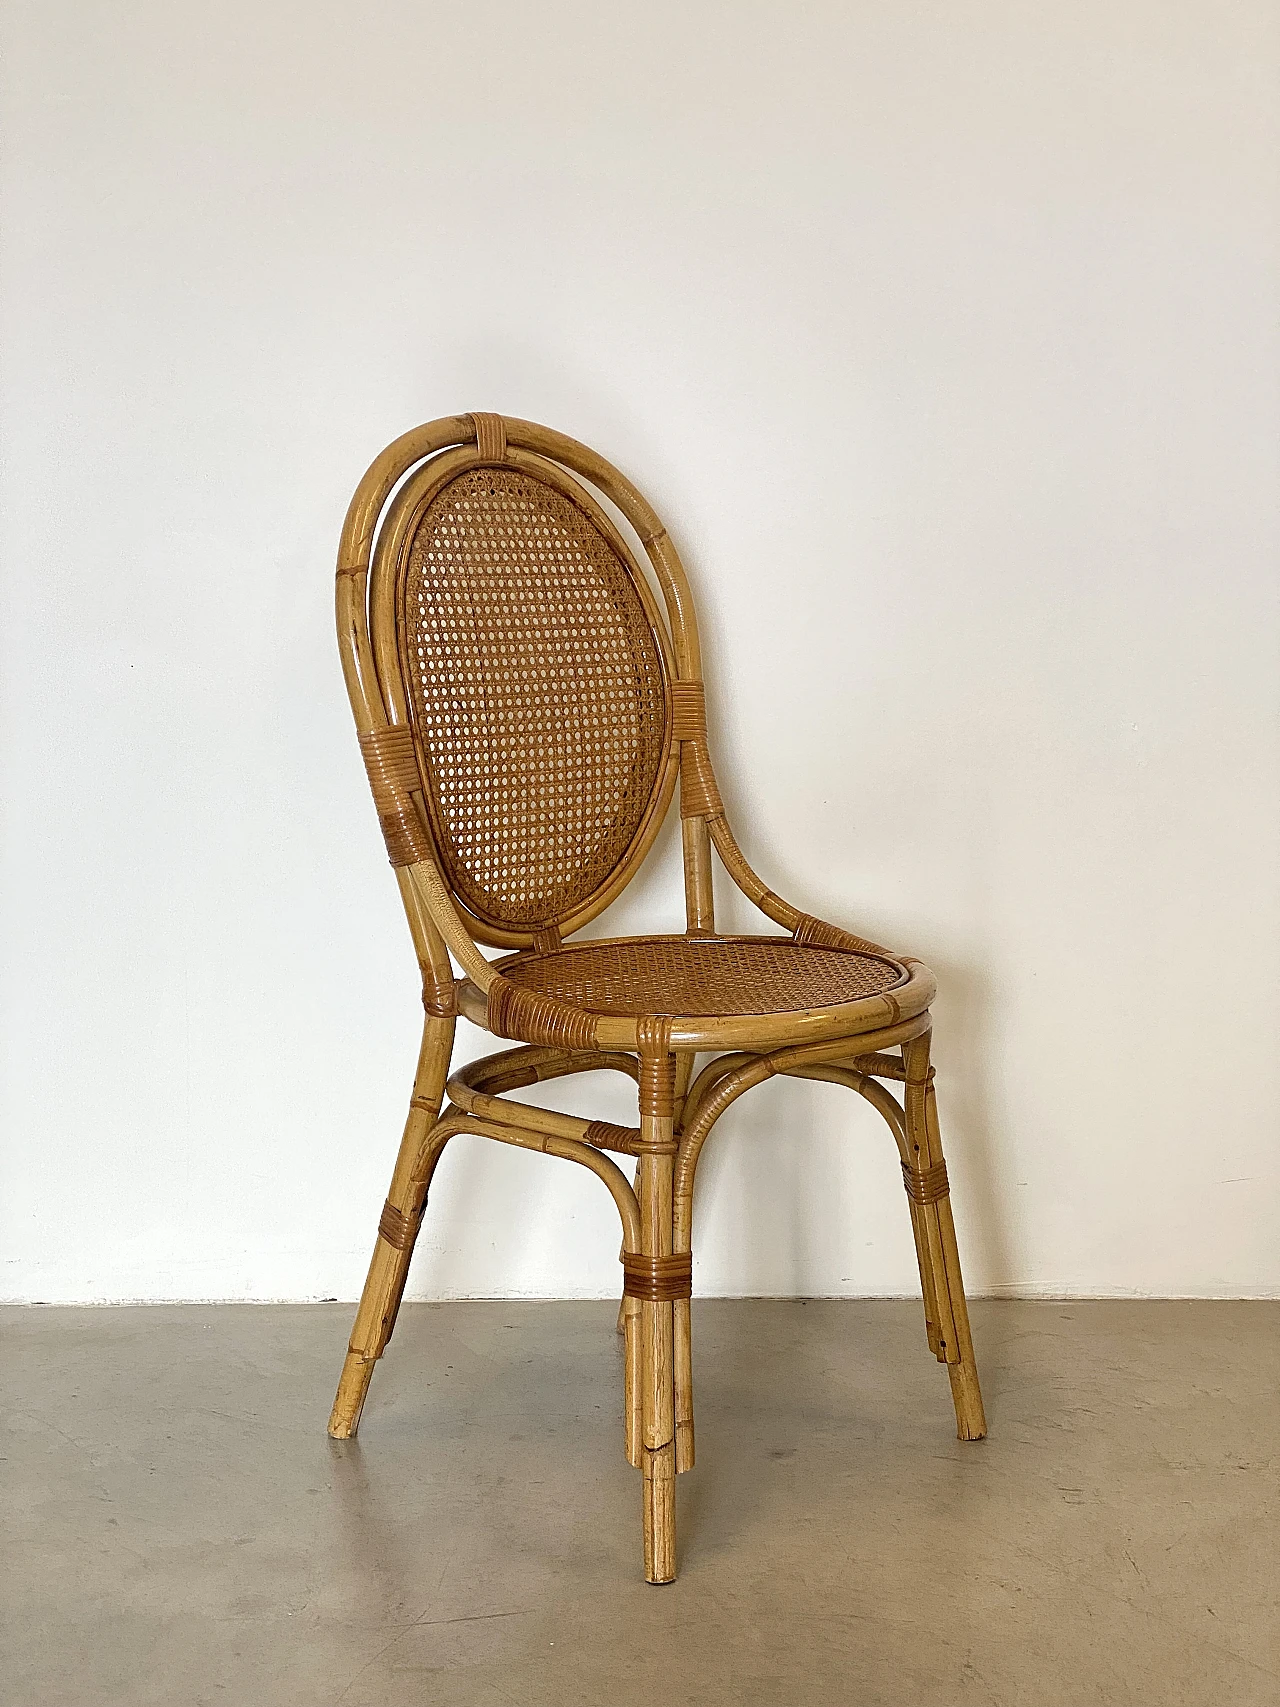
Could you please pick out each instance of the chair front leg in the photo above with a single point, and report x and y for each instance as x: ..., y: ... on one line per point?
x: 685, y: 1059
x: 656, y: 1277
x: 397, y: 1232
x: 946, y: 1311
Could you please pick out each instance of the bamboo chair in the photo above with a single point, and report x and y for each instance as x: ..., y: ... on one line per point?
x: 525, y: 706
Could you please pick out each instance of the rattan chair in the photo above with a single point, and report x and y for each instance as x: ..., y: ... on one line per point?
x: 525, y: 703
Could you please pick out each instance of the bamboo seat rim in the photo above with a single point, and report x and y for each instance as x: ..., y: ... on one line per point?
x: 856, y: 1019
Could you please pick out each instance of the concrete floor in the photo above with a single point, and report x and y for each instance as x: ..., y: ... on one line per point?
x: 181, y: 1531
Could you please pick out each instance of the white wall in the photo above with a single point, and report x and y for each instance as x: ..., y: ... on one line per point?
x: 945, y: 339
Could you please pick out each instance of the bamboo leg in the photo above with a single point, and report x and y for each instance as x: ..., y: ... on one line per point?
x: 947, y: 1315
x: 682, y: 1334
x: 685, y: 1059
x: 966, y: 1394
x: 658, y: 1447
x: 681, y: 1323
x: 633, y: 1389
x: 657, y: 1393
x: 928, y: 1282
x: 633, y: 1402
x: 623, y: 1301
x: 397, y: 1232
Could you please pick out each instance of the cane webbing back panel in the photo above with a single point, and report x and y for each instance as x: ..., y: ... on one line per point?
x: 538, y: 693
x: 703, y: 976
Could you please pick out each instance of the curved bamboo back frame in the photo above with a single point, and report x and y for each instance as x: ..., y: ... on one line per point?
x: 372, y: 534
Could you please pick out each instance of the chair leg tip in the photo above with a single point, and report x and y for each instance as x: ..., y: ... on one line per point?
x: 343, y: 1422
x: 966, y: 1395
x: 353, y: 1389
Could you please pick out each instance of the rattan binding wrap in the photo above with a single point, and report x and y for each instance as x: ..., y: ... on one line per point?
x: 657, y: 1086
x: 519, y: 623
x: 491, y: 437
x: 702, y: 975
x: 661, y: 1280
x: 926, y: 1185
x: 515, y: 1011
x: 604, y: 1135
x: 392, y: 767
x: 822, y: 935
x: 397, y: 1229
x: 688, y: 711
x: 699, y: 796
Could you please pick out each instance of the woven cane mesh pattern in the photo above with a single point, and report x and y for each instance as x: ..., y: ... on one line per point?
x: 703, y: 976
x: 538, y: 695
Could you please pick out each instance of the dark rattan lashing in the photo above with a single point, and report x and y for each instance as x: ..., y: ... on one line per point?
x: 526, y: 706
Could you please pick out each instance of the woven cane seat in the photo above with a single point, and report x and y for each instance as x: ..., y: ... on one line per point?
x: 703, y: 976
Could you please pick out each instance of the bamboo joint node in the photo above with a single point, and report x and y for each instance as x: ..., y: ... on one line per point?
x: 440, y: 999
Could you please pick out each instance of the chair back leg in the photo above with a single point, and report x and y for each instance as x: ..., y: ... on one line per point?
x: 397, y: 1232
x: 657, y: 1344
x: 946, y: 1312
